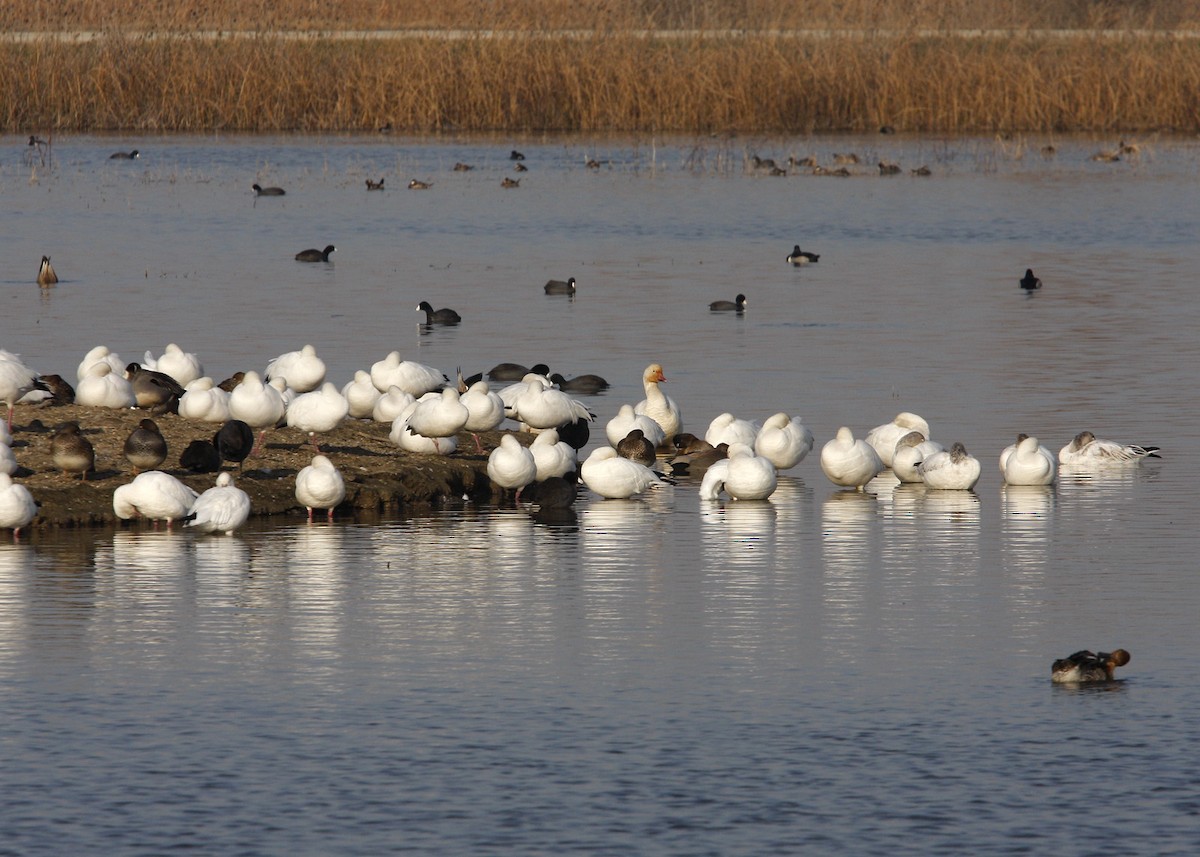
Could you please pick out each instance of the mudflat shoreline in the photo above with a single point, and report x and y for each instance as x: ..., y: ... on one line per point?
x: 379, y: 476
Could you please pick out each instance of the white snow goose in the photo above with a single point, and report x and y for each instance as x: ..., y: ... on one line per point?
x: 849, y: 462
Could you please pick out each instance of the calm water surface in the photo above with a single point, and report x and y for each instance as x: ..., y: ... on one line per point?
x: 826, y: 672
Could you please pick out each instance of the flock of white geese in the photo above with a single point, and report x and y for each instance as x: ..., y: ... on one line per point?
x: 646, y: 442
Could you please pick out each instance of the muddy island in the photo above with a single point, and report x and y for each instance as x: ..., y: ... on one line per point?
x: 379, y: 476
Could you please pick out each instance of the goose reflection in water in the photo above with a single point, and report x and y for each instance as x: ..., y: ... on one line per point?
x: 220, y: 563
x: 848, y: 529
x: 1026, y: 513
x: 145, y: 555
x: 315, y: 587
x: 613, y: 530
x: 738, y: 533
x: 950, y: 522
x: 951, y: 510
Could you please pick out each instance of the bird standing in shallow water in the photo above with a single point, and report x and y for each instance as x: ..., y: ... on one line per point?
x: 1029, y: 282
x: 954, y: 469
x: 221, y: 509
x: 154, y: 495
x: 511, y: 466
x: 1085, y: 666
x: 850, y: 462
x: 1027, y: 462
x: 17, y: 506
x: 320, y: 486
x: 658, y: 405
x: 616, y: 478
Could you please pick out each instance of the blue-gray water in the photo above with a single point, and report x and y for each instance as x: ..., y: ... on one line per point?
x: 826, y: 672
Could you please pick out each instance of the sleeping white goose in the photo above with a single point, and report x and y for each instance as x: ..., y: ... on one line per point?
x: 509, y: 394
x: 203, y: 400
x: 658, y: 405
x: 1084, y: 449
x: 884, y: 437
x: 221, y: 509
x: 911, y: 450
x: 8, y: 461
x: 183, y: 366
x: 619, y: 427
x: 953, y: 469
x: 439, y: 416
x: 318, y: 412
x: 302, y: 371
x: 320, y: 486
x: 101, y: 387
x: 285, y: 392
x: 784, y: 441
x: 743, y: 476
x: 154, y: 495
x: 850, y: 462
x: 416, y: 379
x: 17, y: 506
x: 390, y: 405
x: 511, y: 466
x: 616, y: 478
x: 16, y: 379
x: 485, y: 409
x: 408, y: 440
x: 551, y: 456
x: 258, y: 405
x: 542, y: 407
x: 361, y: 396
x: 726, y: 428
x: 1027, y: 462
x: 100, y: 354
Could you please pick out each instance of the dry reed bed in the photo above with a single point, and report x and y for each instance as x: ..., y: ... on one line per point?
x: 610, y: 82
x: 613, y: 15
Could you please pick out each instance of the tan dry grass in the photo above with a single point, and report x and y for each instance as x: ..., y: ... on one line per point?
x: 265, y: 15
x: 614, y: 79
